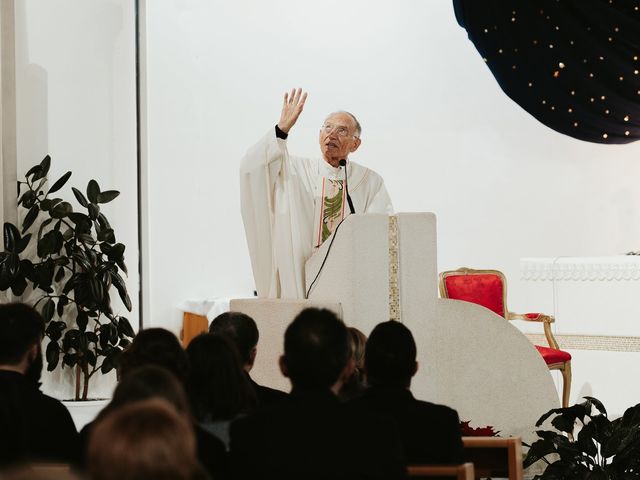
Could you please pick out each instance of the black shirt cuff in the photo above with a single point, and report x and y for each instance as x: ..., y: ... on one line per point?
x: 281, y: 134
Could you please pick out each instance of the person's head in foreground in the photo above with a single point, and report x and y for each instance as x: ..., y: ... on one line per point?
x: 143, y: 440
x: 390, y: 355
x: 316, y: 351
x: 21, y: 333
x: 339, y: 136
x: 147, y: 382
x: 242, y: 330
x: 155, y: 346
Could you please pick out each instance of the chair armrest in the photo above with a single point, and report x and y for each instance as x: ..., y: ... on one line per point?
x: 546, y: 321
x: 531, y: 317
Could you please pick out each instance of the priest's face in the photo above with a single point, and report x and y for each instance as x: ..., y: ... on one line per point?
x: 338, y: 138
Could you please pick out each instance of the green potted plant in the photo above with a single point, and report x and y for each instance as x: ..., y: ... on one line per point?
x: 72, y: 261
x: 586, y: 444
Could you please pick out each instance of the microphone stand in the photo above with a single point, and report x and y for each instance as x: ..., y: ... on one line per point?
x: 343, y: 163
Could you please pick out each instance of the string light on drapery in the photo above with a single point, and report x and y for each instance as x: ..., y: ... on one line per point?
x: 572, y: 64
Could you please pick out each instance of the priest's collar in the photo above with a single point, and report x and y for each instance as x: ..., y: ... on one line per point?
x: 329, y: 171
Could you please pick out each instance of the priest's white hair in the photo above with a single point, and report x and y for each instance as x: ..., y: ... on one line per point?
x: 358, y: 127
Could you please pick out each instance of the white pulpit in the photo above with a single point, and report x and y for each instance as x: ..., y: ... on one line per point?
x: 378, y: 267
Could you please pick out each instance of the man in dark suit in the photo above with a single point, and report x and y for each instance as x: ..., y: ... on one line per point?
x: 33, y: 426
x: 430, y: 433
x: 312, y: 435
x: 242, y: 330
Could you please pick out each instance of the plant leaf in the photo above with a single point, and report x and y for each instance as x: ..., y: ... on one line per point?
x: 41, y: 172
x: 109, y: 363
x: 53, y: 355
x: 61, y: 210
x: 82, y: 200
x: 124, y: 328
x: 107, y: 235
x: 23, y: 243
x: 11, y: 236
x: 120, y: 285
x: 28, y: 199
x: 45, y: 164
x: 48, y: 310
x: 596, y: 403
x: 33, y: 170
x: 62, y: 301
x: 48, y: 203
x: 93, y: 190
x: 43, y: 225
x: 70, y: 359
x: 31, y: 216
x: 91, y: 357
x: 59, y: 276
x: 50, y: 243
x: 81, y: 320
x: 107, y: 196
x: 59, y: 183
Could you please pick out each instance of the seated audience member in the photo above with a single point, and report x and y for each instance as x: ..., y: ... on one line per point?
x: 242, y: 330
x: 218, y: 387
x: 144, y: 440
x: 312, y: 435
x: 160, y: 348
x: 430, y: 433
x: 356, y: 384
x: 155, y: 346
x: 33, y: 426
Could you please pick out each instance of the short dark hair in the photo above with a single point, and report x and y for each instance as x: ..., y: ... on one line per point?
x: 155, y: 346
x: 218, y: 387
x: 21, y: 326
x: 149, y: 381
x: 240, y: 328
x: 316, y: 349
x: 390, y: 355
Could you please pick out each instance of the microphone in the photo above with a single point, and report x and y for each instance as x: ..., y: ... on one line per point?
x: 343, y: 163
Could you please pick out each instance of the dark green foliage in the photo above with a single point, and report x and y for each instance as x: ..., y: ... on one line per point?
x: 75, y: 262
x: 597, y: 448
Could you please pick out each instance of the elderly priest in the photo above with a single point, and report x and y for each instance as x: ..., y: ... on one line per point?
x: 291, y: 205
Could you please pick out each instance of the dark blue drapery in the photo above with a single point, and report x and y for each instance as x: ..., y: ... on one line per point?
x: 572, y: 64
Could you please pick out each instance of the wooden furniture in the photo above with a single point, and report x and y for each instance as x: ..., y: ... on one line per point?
x: 494, y: 456
x: 51, y: 471
x: 463, y: 471
x: 192, y: 326
x: 489, y: 289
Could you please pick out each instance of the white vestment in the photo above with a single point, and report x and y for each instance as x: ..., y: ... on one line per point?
x: 283, y: 205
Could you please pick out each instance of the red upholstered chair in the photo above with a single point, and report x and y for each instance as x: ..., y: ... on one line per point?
x: 489, y: 289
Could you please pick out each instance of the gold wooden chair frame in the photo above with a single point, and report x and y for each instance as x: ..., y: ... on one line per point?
x: 546, y: 320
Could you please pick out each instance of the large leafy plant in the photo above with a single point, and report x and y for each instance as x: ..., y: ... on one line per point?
x: 72, y: 265
x: 587, y: 445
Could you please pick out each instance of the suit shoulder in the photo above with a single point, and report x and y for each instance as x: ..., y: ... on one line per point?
x: 441, y: 411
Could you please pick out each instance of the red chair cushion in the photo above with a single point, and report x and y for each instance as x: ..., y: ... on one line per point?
x: 485, y: 289
x: 551, y: 355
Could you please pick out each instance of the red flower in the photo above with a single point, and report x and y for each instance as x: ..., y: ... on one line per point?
x: 469, y: 431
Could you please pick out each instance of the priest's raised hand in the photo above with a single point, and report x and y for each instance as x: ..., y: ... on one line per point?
x: 291, y: 109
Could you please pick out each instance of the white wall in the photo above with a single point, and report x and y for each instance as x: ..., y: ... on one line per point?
x: 436, y: 126
x: 75, y: 99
